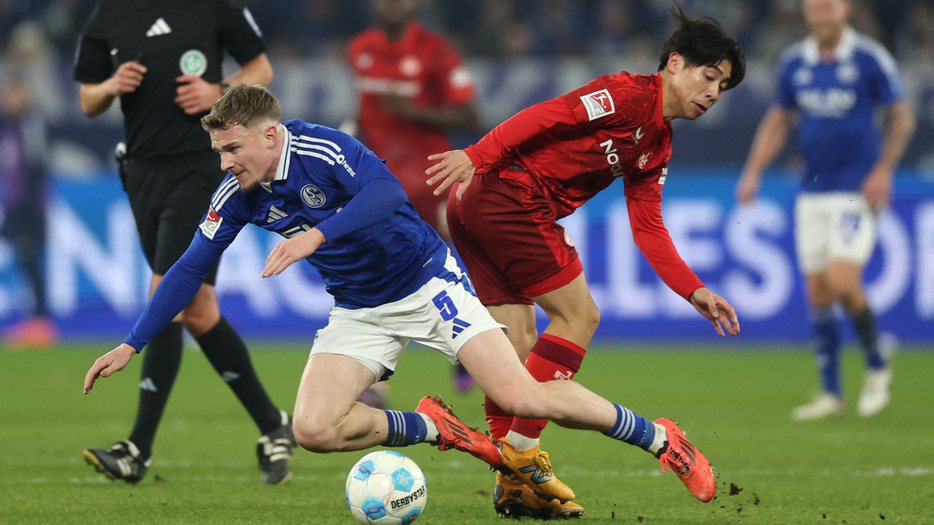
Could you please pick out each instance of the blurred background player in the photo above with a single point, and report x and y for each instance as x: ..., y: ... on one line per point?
x: 834, y: 81
x: 23, y: 153
x: 163, y: 60
x: 540, y: 166
x: 413, y: 90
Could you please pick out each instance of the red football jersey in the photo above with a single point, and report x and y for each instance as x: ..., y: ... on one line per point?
x: 576, y: 145
x: 422, y: 67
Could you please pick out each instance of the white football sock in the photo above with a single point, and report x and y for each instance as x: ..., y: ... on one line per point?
x: 661, y: 439
x: 520, y: 442
x: 432, y: 435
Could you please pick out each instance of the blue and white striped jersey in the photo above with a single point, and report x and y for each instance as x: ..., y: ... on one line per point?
x: 836, y: 101
x: 372, y: 257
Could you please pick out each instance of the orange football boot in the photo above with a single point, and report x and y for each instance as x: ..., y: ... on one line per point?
x: 533, y: 468
x: 453, y: 433
x: 683, y: 458
x: 513, y: 499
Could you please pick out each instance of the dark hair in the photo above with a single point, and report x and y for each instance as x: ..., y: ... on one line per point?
x: 703, y: 42
x: 242, y: 104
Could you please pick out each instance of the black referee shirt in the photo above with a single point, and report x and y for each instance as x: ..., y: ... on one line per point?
x: 170, y: 38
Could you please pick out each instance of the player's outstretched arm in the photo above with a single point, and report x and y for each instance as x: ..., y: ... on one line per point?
x: 112, y: 361
x: 290, y: 250
x: 453, y: 166
x: 717, y: 310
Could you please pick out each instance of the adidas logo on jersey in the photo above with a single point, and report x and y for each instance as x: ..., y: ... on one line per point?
x: 275, y: 214
x: 147, y: 384
x: 160, y: 27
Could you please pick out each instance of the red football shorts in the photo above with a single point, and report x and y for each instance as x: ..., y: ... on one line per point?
x: 508, y: 237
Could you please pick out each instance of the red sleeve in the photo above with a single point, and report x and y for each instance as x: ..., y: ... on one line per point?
x: 456, y: 81
x: 650, y: 235
x: 604, y: 102
x: 504, y: 139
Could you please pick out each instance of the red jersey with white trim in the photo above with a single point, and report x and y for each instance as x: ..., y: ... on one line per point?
x: 422, y: 67
x: 576, y: 145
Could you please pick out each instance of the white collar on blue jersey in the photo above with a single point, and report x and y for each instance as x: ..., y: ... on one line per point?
x: 843, y: 52
x: 282, y: 172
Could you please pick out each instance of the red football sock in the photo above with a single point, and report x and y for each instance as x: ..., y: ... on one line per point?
x: 552, y: 358
x: 497, y: 418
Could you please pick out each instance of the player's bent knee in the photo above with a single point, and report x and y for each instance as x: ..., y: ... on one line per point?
x: 315, y: 437
x: 591, y: 317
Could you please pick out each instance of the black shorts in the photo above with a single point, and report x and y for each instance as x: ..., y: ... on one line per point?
x: 169, y: 197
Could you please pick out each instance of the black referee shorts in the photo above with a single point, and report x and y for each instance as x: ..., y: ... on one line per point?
x: 169, y: 197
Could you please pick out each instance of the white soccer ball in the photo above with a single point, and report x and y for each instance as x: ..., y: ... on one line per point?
x: 386, y: 487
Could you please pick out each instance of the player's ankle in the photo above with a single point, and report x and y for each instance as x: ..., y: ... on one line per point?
x: 661, y: 439
x: 521, y: 442
x: 431, y: 435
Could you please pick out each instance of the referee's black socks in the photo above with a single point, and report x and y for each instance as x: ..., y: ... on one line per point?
x: 229, y: 356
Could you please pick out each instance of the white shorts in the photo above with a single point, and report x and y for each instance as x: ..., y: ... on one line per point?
x: 442, y: 315
x: 833, y: 226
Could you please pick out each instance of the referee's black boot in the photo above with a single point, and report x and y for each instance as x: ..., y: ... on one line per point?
x: 119, y: 462
x: 274, y: 451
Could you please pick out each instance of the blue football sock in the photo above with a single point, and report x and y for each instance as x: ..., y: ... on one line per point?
x: 632, y: 428
x: 405, y: 428
x: 828, y: 348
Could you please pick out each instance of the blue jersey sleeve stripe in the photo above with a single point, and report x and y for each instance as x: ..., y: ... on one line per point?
x: 313, y: 154
x: 311, y: 147
x: 223, y: 193
x: 320, y: 141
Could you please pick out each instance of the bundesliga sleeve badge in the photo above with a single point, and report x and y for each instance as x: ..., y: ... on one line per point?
x: 211, y: 224
x: 598, y: 104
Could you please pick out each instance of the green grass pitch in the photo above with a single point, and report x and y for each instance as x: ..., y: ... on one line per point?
x: 733, y: 404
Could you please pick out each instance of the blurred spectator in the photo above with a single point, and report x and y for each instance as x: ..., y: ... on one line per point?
x: 498, y: 32
x: 23, y: 175
x: 512, y: 28
x: 561, y: 28
x: 780, y: 29
x: 915, y: 37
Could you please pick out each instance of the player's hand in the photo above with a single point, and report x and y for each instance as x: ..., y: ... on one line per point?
x: 196, y: 95
x: 291, y: 250
x: 747, y: 189
x: 453, y: 166
x: 877, y: 188
x: 112, y: 361
x: 717, y: 310
x: 127, y: 78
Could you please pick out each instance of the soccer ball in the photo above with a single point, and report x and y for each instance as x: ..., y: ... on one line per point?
x: 386, y: 487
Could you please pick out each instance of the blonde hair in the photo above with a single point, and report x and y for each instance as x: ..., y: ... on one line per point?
x: 242, y: 104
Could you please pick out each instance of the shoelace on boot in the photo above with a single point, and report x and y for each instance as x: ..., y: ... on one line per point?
x: 673, y: 459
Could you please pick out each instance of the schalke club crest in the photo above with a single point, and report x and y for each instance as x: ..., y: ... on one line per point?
x: 312, y: 196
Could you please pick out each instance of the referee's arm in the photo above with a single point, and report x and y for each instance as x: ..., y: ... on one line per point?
x: 97, y: 98
x: 256, y: 71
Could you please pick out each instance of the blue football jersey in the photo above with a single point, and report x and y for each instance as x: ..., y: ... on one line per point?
x: 835, y: 101
x: 320, y: 171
